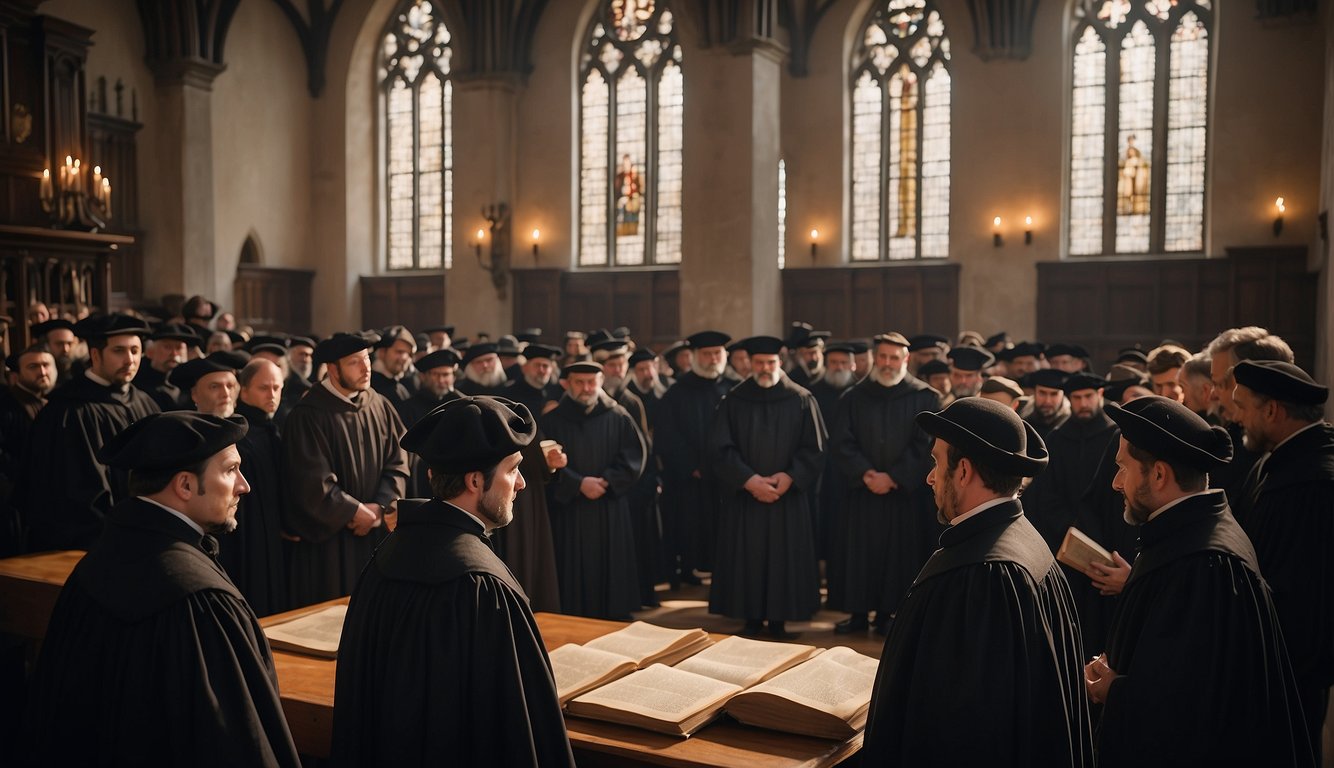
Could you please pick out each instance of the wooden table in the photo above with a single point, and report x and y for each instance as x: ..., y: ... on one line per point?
x: 29, y: 586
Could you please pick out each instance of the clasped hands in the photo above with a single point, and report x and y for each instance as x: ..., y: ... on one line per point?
x: 367, y: 517
x: 768, y: 489
x: 879, y: 483
x: 1098, y: 678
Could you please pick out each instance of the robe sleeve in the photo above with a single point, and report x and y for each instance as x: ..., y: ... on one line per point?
x: 808, y: 461
x: 394, y: 464
x: 318, y: 507
x: 910, y: 469
x: 69, y: 494
x: 843, y: 447
x: 627, y: 463
x: 732, y: 471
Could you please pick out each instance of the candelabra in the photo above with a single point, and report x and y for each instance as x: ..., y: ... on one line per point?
x: 73, y: 200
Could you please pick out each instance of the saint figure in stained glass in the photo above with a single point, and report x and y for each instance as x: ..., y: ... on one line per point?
x: 629, y: 198
x: 1132, y: 187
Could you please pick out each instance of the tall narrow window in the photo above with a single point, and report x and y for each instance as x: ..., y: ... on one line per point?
x: 418, y: 134
x: 630, y: 137
x: 901, y: 134
x: 1138, y: 127
x: 782, y: 214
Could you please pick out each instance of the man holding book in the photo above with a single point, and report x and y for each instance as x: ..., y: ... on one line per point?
x: 1196, y: 670
x: 441, y: 661
x: 982, y: 663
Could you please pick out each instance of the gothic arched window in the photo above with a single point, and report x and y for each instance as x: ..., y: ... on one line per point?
x: 901, y: 134
x: 1139, y: 125
x: 630, y: 137
x: 418, y: 158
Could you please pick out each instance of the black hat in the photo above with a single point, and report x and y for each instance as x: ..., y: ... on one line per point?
x: 641, y: 354
x: 439, y: 359
x: 620, y: 332
x: 997, y: 338
x: 508, y: 345
x: 340, y: 345
x: 96, y: 327
x: 1131, y: 354
x: 990, y: 434
x: 187, y: 374
x: 448, y: 330
x: 840, y: 346
x: 423, y: 340
x: 763, y: 345
x: 601, y: 334
x: 1119, y: 379
x: 172, y: 440
x: 1005, y: 355
x: 475, y: 351
x: 41, y: 329
x: 581, y: 366
x: 1002, y: 384
x: 798, y: 332
x: 1281, y: 381
x: 931, y: 368
x: 707, y: 339
x: 676, y: 347
x: 1172, y: 432
x: 300, y: 341
x: 1073, y: 350
x: 926, y: 341
x: 609, y: 348
x: 237, y: 338
x: 396, y: 333
x: 1051, y: 378
x: 470, y: 434
x: 1078, y: 381
x: 859, y: 346
x: 533, y: 351
x: 1027, y: 349
x: 814, y: 339
x: 276, y: 345
x: 971, y: 358
x: 177, y: 332
x: 893, y: 337
x: 529, y: 335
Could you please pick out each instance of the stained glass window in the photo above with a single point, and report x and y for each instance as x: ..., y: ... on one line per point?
x: 631, y: 121
x: 782, y: 214
x: 901, y: 134
x: 1139, y: 124
x: 418, y: 133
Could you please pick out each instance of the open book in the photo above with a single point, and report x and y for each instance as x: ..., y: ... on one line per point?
x: 1078, y: 551
x: 315, y: 633
x: 581, y: 668
x: 827, y: 697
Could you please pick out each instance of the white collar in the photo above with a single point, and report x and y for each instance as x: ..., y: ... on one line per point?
x: 103, y: 382
x: 1175, y: 502
x: 187, y: 520
x: 475, y: 518
x: 329, y: 386
x: 984, y: 506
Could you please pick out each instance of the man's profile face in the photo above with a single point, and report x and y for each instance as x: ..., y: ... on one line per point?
x: 497, y: 502
x: 1250, y: 414
x: 1047, y: 400
x: 1220, y: 373
x: 118, y: 361
x: 1132, y: 482
x: 941, y: 482
x: 216, y: 492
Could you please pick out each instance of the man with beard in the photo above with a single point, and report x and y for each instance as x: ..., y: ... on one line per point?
x: 1225, y: 351
x: 1195, y: 670
x: 925, y: 348
x: 1024, y: 358
x: 591, y: 519
x: 1068, y: 358
x: 34, y: 376
x: 738, y: 362
x: 393, y: 358
x: 885, y: 531
x: 679, y: 357
x: 482, y: 374
x: 58, y: 336
x: 1049, y: 408
x: 837, y: 379
x: 152, y: 656
x: 210, y: 382
x: 645, y: 383
x: 767, y: 446
x: 808, y: 359
x: 70, y: 490
x: 1288, y: 512
x: 511, y: 357
x: 438, y: 621
x: 1164, y: 366
x: 300, y: 358
x: 343, y: 454
x: 168, y: 347
x: 988, y: 634
x: 689, y: 490
x: 252, y: 555
x: 966, y: 366
x: 534, y: 388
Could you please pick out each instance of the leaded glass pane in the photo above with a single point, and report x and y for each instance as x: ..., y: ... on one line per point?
x: 1188, y: 97
x: 782, y: 214
x: 936, y: 165
x: 671, y: 124
x: 867, y: 113
x: 1134, y: 164
x: 631, y: 165
x: 594, y: 192
x: 400, y: 175
x: 1086, y: 145
x: 430, y: 164
x: 901, y: 217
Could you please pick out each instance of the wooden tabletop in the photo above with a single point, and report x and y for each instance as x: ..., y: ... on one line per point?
x: 29, y: 586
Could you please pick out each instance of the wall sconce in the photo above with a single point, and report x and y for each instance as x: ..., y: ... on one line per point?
x: 73, y: 199
x: 498, y: 218
x: 995, y: 232
x: 815, y: 243
x: 1278, y: 219
x: 537, y: 237
x: 1028, y: 230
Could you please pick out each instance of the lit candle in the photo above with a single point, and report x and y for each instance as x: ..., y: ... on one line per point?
x: 106, y: 194
x: 995, y: 232
x: 481, y: 235
x: 46, y: 184
x: 97, y: 182
x: 815, y: 240
x: 537, y: 236
x: 1028, y: 230
x: 1282, y: 209
x: 78, y: 175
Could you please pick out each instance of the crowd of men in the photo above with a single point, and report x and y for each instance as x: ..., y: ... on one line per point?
x: 935, y: 482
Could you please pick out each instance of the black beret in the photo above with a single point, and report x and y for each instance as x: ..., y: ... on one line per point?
x: 676, y: 347
x: 1051, y: 378
x: 601, y: 334
x: 1073, y: 350
x: 300, y: 341
x: 998, y: 338
x: 620, y: 332
x: 707, y: 339
x: 1002, y: 384
x: 440, y: 358
x: 172, y: 440
x: 276, y: 345
x: 187, y: 374
x: 529, y: 335
x: 1078, y: 381
x: 762, y: 345
x: 641, y: 354
x: 893, y: 337
x: 926, y: 341
x: 814, y: 339
x: 840, y: 346
x: 1281, y: 381
x: 475, y: 351
x: 395, y: 333
x: 1005, y: 355
x: 1132, y: 354
x: 1172, y: 432
x: 41, y: 329
x: 609, y: 348
x: 581, y: 366
x: 470, y: 434
x: 990, y: 434
x: 971, y: 358
x: 1027, y: 349
x: 932, y: 368
x: 178, y: 332
x: 95, y: 327
x: 423, y: 340
x: 238, y: 339
x: 798, y: 332
x: 859, y: 346
x: 340, y: 345
x: 533, y: 351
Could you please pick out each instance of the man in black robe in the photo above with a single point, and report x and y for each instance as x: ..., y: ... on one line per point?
x: 341, y: 444
x: 645, y: 383
x: 982, y: 663
x: 152, y: 656
x: 1049, y: 408
x: 391, y: 375
x: 689, y: 486
x: 590, y: 515
x: 482, y: 373
x: 767, y: 446
x: 966, y: 366
x: 534, y: 387
x: 168, y: 347
x: 884, y: 533
x: 301, y: 360
x: 441, y: 661
x: 1196, y: 670
x: 33, y: 374
x: 252, y: 555
x: 1288, y: 502
x: 807, y: 349
x: 437, y: 372
x: 70, y: 489
x: 838, y: 378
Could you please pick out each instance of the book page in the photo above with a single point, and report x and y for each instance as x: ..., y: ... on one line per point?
x: 838, y: 681
x: 660, y: 693
x: 744, y: 662
x: 318, y: 632
x: 576, y: 667
x: 641, y: 641
x: 1078, y: 551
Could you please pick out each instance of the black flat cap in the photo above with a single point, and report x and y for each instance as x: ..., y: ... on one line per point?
x: 508, y: 345
x: 533, y: 351
x: 971, y: 358
x: 470, y: 434
x: 990, y: 434
x: 763, y: 345
x: 395, y: 333
x: 798, y: 332
x: 528, y: 335
x: 609, y: 348
x: 1027, y: 349
x: 95, y: 327
x: 859, y: 346
x: 187, y: 374
x: 893, y: 337
x: 676, y: 347
x: 998, y: 338
x: 705, y: 339
x: 300, y: 341
x: 1073, y: 350
x: 932, y: 368
x: 815, y: 339
x: 601, y: 334
x: 441, y: 358
x: 1051, y: 378
x: 448, y: 330
x: 238, y: 338
x: 172, y: 440
x: 844, y: 347
x: 178, y: 332
x: 1284, y: 382
x: 41, y: 329
x: 340, y: 345
x: 926, y: 341
x: 475, y: 351
x: 273, y: 344
x: 1078, y: 381
x: 641, y: 354
x: 581, y: 366
x: 1002, y: 384
x: 1130, y: 354
x: 1172, y: 432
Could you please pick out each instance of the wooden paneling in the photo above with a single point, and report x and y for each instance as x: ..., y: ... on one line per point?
x: 1109, y: 304
x: 646, y: 301
x: 273, y: 299
x: 416, y: 301
x: 854, y: 302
